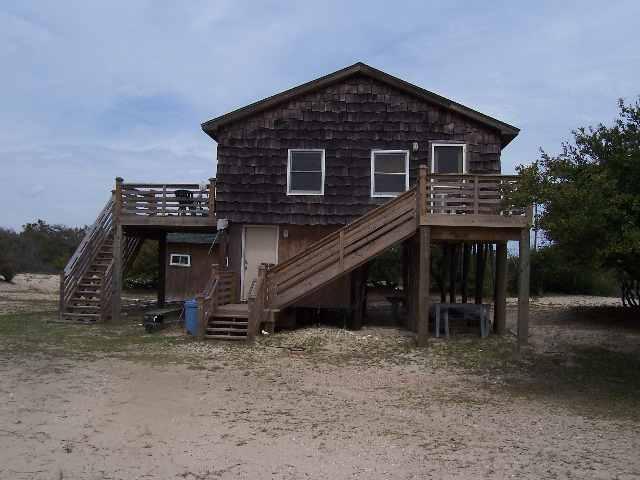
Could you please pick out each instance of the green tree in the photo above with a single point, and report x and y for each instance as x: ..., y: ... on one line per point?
x: 590, y: 198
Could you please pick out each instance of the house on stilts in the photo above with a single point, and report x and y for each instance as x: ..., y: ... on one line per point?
x: 312, y: 184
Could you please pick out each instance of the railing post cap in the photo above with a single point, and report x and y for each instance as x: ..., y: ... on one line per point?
x: 212, y: 179
x: 119, y: 179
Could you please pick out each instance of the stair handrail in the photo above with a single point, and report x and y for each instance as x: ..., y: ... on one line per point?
x: 258, y: 303
x: 333, y: 251
x: 336, y: 235
x: 85, y: 253
x: 207, y: 299
x: 103, y: 217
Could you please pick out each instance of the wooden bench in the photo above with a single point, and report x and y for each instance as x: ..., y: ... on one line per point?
x: 441, y: 315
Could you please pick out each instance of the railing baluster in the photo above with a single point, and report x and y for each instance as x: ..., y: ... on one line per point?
x: 476, y: 195
x: 164, y: 200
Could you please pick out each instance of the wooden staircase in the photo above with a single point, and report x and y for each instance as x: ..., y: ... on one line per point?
x: 229, y: 322
x: 220, y: 318
x: 333, y: 256
x: 85, y: 283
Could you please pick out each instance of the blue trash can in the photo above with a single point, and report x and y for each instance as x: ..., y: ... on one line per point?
x: 191, y: 316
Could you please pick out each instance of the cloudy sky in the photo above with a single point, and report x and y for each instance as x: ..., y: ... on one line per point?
x: 91, y: 90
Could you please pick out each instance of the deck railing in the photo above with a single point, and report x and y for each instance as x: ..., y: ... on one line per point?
x: 468, y: 194
x: 166, y: 199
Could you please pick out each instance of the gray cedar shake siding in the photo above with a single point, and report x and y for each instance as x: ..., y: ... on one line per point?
x: 348, y: 119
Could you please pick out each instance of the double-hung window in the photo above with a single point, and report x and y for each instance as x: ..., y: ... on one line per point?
x: 305, y: 172
x: 389, y: 172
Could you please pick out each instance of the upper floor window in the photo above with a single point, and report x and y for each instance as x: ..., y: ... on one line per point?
x: 305, y: 172
x: 448, y: 158
x: 389, y: 172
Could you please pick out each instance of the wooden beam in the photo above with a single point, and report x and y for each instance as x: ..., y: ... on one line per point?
x: 480, y: 263
x: 523, y: 287
x: 481, y: 220
x: 424, y: 284
x: 473, y: 234
x: 178, y: 221
x: 500, y: 302
x: 162, y: 268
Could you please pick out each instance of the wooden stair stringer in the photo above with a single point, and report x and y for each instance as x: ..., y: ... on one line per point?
x: 340, y: 252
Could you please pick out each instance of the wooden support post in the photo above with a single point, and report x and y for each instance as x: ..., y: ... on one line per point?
x: 480, y: 262
x: 444, y: 272
x: 424, y: 284
x: 523, y: 287
x: 201, y: 316
x: 116, y: 279
x: 500, y: 302
x: 453, y: 272
x: 341, y: 249
x: 421, y: 196
x: 405, y: 277
x: 212, y: 196
x: 411, y: 290
x: 162, y: 268
x: 466, y: 257
x: 358, y: 295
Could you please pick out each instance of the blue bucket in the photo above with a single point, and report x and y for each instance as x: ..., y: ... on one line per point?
x: 191, y: 316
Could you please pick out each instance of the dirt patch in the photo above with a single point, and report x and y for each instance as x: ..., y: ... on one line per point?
x: 109, y: 401
x: 29, y: 292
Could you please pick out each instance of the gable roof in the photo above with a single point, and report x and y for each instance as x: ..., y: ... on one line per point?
x: 507, y: 132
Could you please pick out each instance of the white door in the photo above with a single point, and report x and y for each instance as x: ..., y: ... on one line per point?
x: 260, y: 245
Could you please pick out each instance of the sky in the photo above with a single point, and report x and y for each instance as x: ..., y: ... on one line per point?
x: 93, y: 90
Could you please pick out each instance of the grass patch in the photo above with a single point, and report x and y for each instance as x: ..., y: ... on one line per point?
x: 35, y: 334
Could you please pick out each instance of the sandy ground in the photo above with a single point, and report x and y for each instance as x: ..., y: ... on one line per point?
x: 36, y: 292
x: 340, y: 405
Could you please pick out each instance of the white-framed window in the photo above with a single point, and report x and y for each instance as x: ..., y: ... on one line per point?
x: 305, y: 171
x: 389, y: 172
x: 448, y: 157
x: 180, y: 260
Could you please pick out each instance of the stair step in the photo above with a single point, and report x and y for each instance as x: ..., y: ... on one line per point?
x: 81, y: 315
x: 227, y: 330
x: 84, y: 300
x: 227, y: 322
x: 83, y: 307
x: 243, y: 315
x: 226, y: 337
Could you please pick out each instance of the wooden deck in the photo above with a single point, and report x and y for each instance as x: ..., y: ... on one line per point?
x: 181, y: 205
